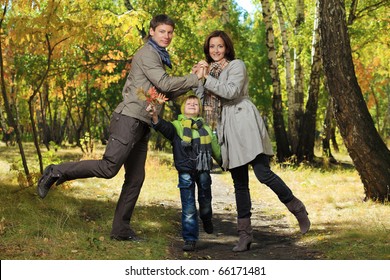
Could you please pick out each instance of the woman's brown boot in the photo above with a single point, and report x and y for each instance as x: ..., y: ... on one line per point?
x: 244, y: 229
x: 296, y: 207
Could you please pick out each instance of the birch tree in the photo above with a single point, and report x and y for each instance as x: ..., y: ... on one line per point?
x: 295, y: 102
x: 305, y: 149
x: 282, y: 144
x: 286, y: 52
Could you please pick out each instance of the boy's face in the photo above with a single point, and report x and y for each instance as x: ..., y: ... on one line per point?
x: 162, y: 35
x: 191, y: 108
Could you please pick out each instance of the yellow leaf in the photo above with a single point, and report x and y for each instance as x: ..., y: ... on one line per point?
x: 110, y: 67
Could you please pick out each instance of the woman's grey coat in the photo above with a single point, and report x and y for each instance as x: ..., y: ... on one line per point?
x: 241, y: 131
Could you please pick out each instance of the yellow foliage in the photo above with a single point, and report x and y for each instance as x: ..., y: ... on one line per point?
x: 110, y: 67
x: 104, y: 82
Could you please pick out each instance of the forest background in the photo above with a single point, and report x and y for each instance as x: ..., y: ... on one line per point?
x: 64, y: 63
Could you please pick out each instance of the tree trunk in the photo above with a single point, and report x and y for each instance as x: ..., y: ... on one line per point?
x: 34, y: 130
x: 366, y: 148
x: 305, y: 150
x: 46, y: 106
x: 387, y: 119
x: 282, y: 146
x: 224, y: 8
x: 327, y: 133
x: 295, y: 102
x: 286, y: 49
x: 89, y: 145
x: 3, y: 122
x: 72, y: 131
x: 286, y: 55
x: 32, y: 98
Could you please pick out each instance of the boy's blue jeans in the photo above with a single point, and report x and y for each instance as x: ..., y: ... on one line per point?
x: 189, y: 217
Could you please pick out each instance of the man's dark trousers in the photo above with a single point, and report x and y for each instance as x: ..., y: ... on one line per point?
x: 127, y: 146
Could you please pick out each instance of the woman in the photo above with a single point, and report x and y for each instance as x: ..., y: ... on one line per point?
x: 242, y: 133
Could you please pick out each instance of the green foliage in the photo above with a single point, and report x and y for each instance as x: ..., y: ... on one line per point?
x: 371, y: 59
x: 254, y: 53
x: 88, y: 45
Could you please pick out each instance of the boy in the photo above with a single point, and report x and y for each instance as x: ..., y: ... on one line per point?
x: 193, y: 145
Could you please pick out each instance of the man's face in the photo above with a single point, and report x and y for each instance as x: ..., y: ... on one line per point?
x: 162, y: 35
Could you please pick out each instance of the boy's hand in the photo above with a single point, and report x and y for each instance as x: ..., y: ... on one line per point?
x: 151, y: 109
x: 152, y: 112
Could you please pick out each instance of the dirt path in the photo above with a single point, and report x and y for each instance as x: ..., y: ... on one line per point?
x: 273, y: 238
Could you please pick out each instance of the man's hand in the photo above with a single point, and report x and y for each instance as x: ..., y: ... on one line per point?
x: 200, y: 69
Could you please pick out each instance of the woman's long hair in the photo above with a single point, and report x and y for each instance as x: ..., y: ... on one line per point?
x: 229, y: 54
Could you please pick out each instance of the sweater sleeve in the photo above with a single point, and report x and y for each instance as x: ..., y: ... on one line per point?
x: 199, y: 91
x: 172, y: 86
x: 216, y: 149
x: 165, y: 128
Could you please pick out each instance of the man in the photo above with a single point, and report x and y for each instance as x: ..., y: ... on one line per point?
x: 129, y: 128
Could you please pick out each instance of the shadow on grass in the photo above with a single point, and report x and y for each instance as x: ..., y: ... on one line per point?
x: 64, y: 227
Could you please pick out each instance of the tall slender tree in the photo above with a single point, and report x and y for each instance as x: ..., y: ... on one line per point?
x: 307, y: 130
x: 282, y: 145
x: 286, y: 51
x: 295, y: 101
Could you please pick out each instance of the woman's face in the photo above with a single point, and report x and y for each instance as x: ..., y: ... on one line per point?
x: 217, y: 49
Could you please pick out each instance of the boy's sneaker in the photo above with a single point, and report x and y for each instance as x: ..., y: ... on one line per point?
x: 208, y: 226
x: 189, y: 246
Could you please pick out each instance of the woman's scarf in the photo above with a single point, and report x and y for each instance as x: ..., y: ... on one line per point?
x: 162, y: 52
x: 212, y: 103
x: 203, y: 160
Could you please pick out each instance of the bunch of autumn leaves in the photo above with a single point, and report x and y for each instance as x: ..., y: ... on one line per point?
x: 151, y: 96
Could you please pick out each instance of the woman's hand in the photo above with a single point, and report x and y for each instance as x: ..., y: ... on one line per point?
x: 204, y: 68
x: 200, y: 69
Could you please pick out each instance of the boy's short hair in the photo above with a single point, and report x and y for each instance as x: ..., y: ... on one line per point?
x: 192, y: 96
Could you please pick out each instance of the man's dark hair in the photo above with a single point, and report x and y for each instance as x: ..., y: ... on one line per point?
x: 161, y: 19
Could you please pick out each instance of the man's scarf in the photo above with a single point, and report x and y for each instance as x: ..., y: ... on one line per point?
x: 203, y: 160
x: 162, y: 52
x: 212, y: 103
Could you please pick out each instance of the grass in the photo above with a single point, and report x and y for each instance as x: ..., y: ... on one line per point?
x: 74, y: 221
x: 344, y: 227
